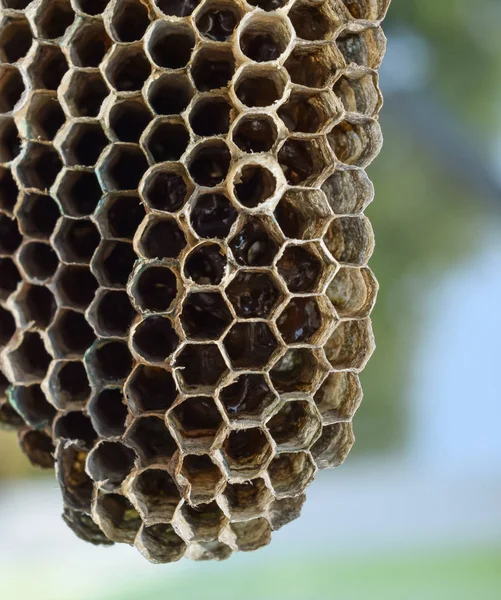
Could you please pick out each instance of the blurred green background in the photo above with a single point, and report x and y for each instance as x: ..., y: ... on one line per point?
x: 416, y: 510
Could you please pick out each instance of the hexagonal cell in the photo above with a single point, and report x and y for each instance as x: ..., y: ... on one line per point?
x: 212, y: 68
x: 353, y: 292
x: 313, y: 66
x: 253, y: 294
x: 356, y: 143
x: 313, y: 22
x: 203, y: 522
x: 268, y: 5
x: 128, y: 118
x: 108, y: 412
x: 151, y: 440
x: 295, y: 426
x: 127, y: 68
x: 76, y: 286
x: 285, y: 511
x: 67, y: 384
x: 253, y: 185
x: 206, y: 264
x: 38, y: 447
x: 203, y: 477
x: 7, y: 326
x: 365, y: 48
x: 166, y: 140
x: 197, y: 421
x: 154, y: 494
x: 304, y: 162
x: 366, y: 9
x: 255, y: 133
x: 78, y: 192
x: 85, y: 93
x: 70, y: 334
x: 161, y: 237
x: 308, y: 111
x: 350, y: 240
x: 10, y: 237
x: 348, y: 191
x: 150, y: 389
x: 116, y: 516
x: 12, y: 87
x: 201, y: 365
x: 36, y: 304
x: 160, y: 543
x: 205, y: 315
x: 83, y: 143
x: 217, y: 19
x: 9, y: 277
x: 10, y: 142
x: 333, y: 446
x: 30, y: 402
x: 109, y: 463
x: 122, y: 167
x: 303, y: 214
x: 212, y: 215
x: 48, y: 67
x: 112, y: 313
x: 9, y: 191
x: 301, y: 320
x: 76, y: 240
x: 75, y: 426
x: 299, y: 370
x: 154, y: 288
x: 250, y: 345
x: 291, y: 473
x: 170, y: 93
x: 15, y: 39
x: 129, y: 21
x: 255, y: 244
x: 76, y: 485
x: 300, y: 268
x: 29, y: 361
x: 209, y: 163
x: 39, y: 166
x: 154, y: 339
x: 359, y: 92
x: 265, y: 38
x: 109, y: 361
x: 38, y: 260
x: 82, y: 525
x: 92, y: 7
x: 339, y: 397
x: 53, y: 18
x: 260, y: 86
x: 246, y: 500
x: 166, y: 187
x: 170, y: 44
x: 250, y: 535
x: 123, y: 214
x: 114, y: 263
x: 211, y: 115
x: 37, y: 215
x: 351, y: 344
x: 246, y: 452
x: 89, y: 44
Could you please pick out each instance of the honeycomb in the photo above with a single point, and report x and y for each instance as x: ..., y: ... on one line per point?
x: 184, y: 289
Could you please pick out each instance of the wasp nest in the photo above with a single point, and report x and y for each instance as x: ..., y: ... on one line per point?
x: 184, y: 290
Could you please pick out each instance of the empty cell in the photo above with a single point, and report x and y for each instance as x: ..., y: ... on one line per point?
x: 15, y: 39
x: 9, y: 277
x: 76, y: 426
x: 11, y: 87
x: 109, y: 412
x: 10, y: 238
x: 313, y: 66
x: 246, y: 452
x: 365, y: 48
x: 211, y: 115
x: 204, y: 478
x: 166, y: 188
x: 109, y: 464
x: 37, y: 215
x: 110, y: 360
x: 115, y: 262
x: 250, y: 345
x: 39, y: 166
x: 128, y: 68
x: 128, y: 119
x: 212, y: 216
x: 255, y: 133
x: 70, y: 334
x: 350, y: 240
x: 68, y: 384
x: 129, y: 21
x: 89, y: 44
x: 247, y: 398
x: 205, y: 315
x: 124, y: 167
x: 348, y: 191
x: 37, y: 305
x: 177, y: 8
x: 303, y: 214
x: 79, y: 192
x: 86, y: 93
x: 253, y: 294
x: 297, y: 371
x: 291, y: 473
x: 38, y: 260
x: 150, y: 389
x: 204, y: 521
x: 212, y: 68
x: 295, y: 425
x: 167, y: 141
x: 53, y: 18
x: 300, y: 269
x: 48, y: 67
x: 7, y: 326
x: 197, y: 419
x: 170, y: 93
x: 83, y: 143
x: 252, y: 535
x: 151, y: 440
x: 333, y: 446
x: 209, y: 163
x: 162, y: 238
x: 10, y: 142
x: 160, y: 543
x: 353, y: 292
x: 8, y: 190
x: 253, y: 185
x: 155, y: 288
x: 265, y: 38
x: 201, y: 364
x: 76, y: 285
x: 118, y: 519
x: 359, y: 93
x: 155, y: 339
x: 30, y: 360
x: 356, y: 144
x: 247, y: 500
x: 206, y: 264
x: 285, y: 510
x: 124, y: 214
x: 253, y: 245
x: 155, y: 494
x: 38, y: 447
x: 31, y: 403
x: 258, y: 87
x: 304, y: 162
x: 313, y: 22
x: 339, y: 397
x: 351, y: 344
x: 76, y: 240
x: 307, y: 112
x: 300, y: 321
x: 217, y: 20
x: 171, y: 44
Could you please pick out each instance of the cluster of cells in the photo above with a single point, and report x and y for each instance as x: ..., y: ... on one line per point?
x: 184, y: 290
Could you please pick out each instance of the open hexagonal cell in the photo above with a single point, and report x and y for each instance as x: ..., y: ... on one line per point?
x: 339, y: 397
x: 127, y: 68
x: 108, y: 412
x: 10, y: 142
x: 7, y: 327
x: 268, y: 5
x: 160, y: 543
x: 170, y: 93
x: 76, y: 485
x: 212, y: 68
x: 37, y: 305
x: 70, y: 334
x: 303, y: 214
x: 351, y: 344
x: 211, y: 115
x: 129, y: 20
x: 301, y: 320
x: 30, y: 360
x: 116, y: 516
x: 76, y: 286
x: 253, y: 185
x: 353, y: 292
x: 110, y: 360
x: 213, y: 550
x: 250, y: 345
x: 68, y: 385
x: 86, y: 91
x: 290, y: 474
x: 150, y: 389
x: 253, y: 294
x: 166, y: 140
x: 209, y: 163
x: 217, y: 19
x: 79, y: 192
x: 313, y: 22
x: 301, y: 268
x: 265, y: 37
x: 167, y: 187
x: 197, y: 421
x: 9, y: 191
x: 308, y: 111
x: 123, y: 167
x: 201, y: 365
x: 15, y: 39
x: 359, y: 92
x: 89, y: 44
x: 151, y: 440
x: 109, y: 463
x: 204, y: 478
x: 84, y: 527
x: 204, y: 521
x: 248, y: 536
x: 30, y: 402
x: 92, y: 7
x: 295, y: 425
x: 313, y: 66
x: 304, y: 162
x: 333, y: 446
x: 154, y: 493
x: 206, y: 264
x: 83, y: 143
x: 39, y: 167
x: 255, y: 244
x: 37, y: 215
x: 48, y: 67
x: 171, y: 44
x: 255, y: 133
x: 76, y: 240
x: 247, y: 452
x: 155, y: 288
x: 124, y: 213
x: 348, y: 191
x: 205, y: 315
x: 365, y: 48
x: 350, y: 240
x: 260, y: 86
x: 155, y: 339
x: 212, y: 215
x: 285, y: 511
x: 75, y: 426
x: 10, y: 237
x: 128, y: 119
x: 299, y: 370
x: 113, y: 313
x: 9, y: 277
x: 161, y: 238
x: 247, y: 500
x: 53, y: 18
x: 11, y: 89
x: 114, y: 263
x: 38, y: 260
x: 356, y: 143
x: 38, y: 447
